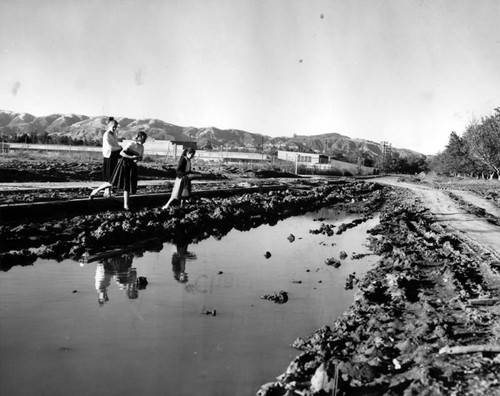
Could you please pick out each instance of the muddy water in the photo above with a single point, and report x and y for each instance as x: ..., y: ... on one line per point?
x: 70, y: 329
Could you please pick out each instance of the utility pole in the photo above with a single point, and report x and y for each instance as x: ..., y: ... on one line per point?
x: 386, y: 156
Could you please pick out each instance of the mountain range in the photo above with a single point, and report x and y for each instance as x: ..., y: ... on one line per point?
x: 87, y: 128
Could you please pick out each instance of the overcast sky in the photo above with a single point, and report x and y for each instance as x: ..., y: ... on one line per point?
x: 404, y: 71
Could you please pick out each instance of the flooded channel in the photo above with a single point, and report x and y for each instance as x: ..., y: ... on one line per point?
x: 199, y: 326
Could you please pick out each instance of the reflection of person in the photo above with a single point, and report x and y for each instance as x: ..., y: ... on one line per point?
x: 182, y: 184
x: 102, y: 282
x: 110, y: 152
x: 179, y: 258
x: 120, y: 267
x: 125, y: 174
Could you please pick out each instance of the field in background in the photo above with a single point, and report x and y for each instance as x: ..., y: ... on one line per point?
x: 244, y: 161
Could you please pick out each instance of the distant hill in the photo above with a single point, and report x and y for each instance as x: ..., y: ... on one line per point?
x: 91, y: 129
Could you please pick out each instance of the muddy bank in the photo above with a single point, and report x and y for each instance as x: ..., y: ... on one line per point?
x: 89, y: 235
x: 425, y: 297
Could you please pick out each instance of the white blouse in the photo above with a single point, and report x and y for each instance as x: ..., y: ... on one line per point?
x: 109, y: 144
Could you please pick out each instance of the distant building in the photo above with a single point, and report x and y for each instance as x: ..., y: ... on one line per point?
x: 172, y: 148
x: 303, y: 158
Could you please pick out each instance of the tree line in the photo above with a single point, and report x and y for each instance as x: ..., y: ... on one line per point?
x: 476, y: 153
x: 44, y: 138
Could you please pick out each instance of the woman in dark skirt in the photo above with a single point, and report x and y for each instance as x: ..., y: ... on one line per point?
x: 182, y: 184
x: 125, y: 174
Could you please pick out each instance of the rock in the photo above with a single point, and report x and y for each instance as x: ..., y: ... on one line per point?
x: 280, y: 297
x: 334, y: 262
x: 321, y: 381
x: 141, y: 282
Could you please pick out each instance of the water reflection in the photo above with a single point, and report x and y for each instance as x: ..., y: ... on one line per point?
x: 212, y: 335
x: 179, y: 258
x: 120, y: 268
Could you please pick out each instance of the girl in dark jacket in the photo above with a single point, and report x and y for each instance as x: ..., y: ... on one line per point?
x: 182, y: 184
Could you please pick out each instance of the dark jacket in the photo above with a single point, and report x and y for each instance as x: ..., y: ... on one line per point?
x: 181, y: 167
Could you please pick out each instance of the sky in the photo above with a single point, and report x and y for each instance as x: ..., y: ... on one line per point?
x: 407, y: 72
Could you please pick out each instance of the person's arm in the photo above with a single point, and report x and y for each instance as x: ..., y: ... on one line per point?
x: 127, y: 152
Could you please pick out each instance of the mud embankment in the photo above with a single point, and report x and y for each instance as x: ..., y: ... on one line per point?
x: 90, y: 235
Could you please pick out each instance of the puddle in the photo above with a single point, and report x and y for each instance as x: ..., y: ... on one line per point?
x: 92, y: 329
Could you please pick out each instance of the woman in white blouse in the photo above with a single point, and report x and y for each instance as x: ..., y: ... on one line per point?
x: 110, y: 152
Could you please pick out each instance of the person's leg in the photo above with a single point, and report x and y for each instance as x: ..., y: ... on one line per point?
x: 125, y: 199
x: 100, y: 188
x: 168, y: 203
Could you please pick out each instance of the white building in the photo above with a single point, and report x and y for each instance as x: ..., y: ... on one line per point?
x: 303, y: 158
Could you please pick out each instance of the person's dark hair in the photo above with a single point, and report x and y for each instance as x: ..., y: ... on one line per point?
x: 187, y: 151
x: 142, y: 135
x: 112, y: 119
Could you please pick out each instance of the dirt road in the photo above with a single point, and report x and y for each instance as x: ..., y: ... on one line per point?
x: 470, y: 227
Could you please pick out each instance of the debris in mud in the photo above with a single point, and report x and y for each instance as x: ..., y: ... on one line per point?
x: 325, y: 229
x: 484, y: 301
x: 456, y: 350
x: 359, y: 256
x: 280, y: 297
x: 206, y: 311
x: 345, y: 226
x: 333, y: 262
x: 296, y: 281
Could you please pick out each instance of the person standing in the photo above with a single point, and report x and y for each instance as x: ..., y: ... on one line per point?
x: 110, y: 152
x: 125, y: 174
x: 182, y: 184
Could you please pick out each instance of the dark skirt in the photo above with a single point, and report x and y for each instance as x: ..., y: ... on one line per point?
x: 125, y: 176
x: 109, y: 165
